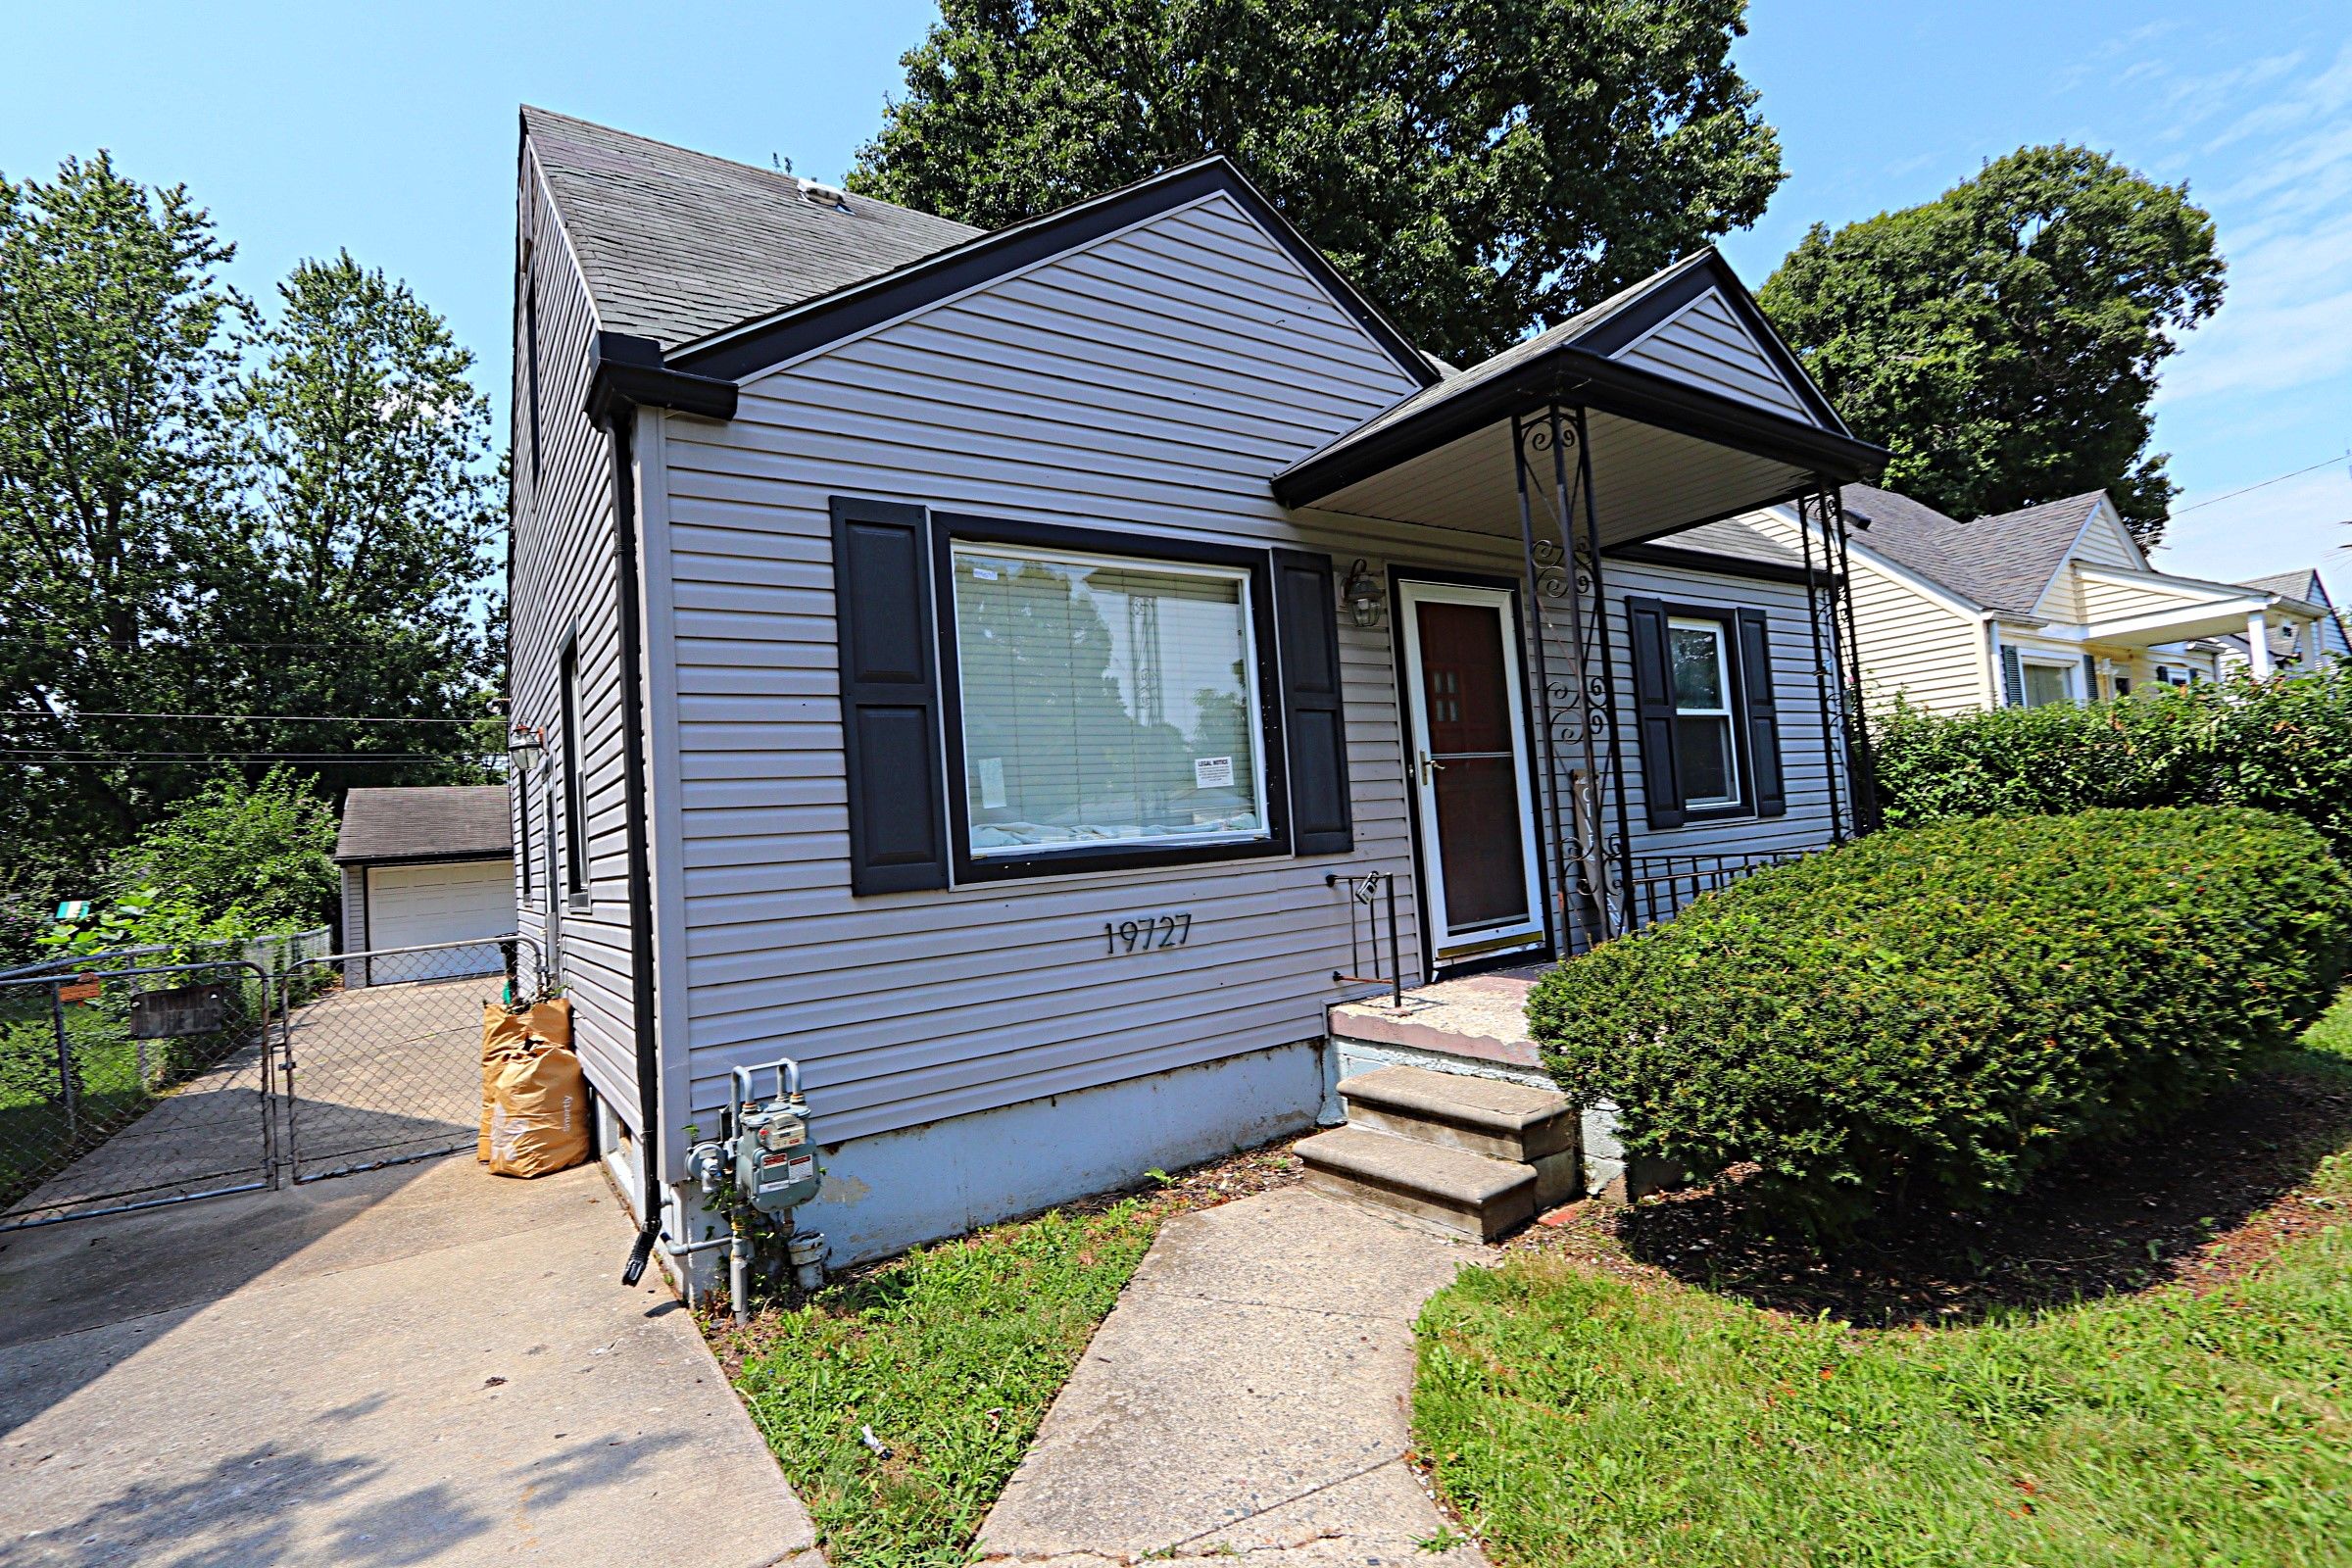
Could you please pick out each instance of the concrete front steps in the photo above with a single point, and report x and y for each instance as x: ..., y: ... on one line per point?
x: 1473, y: 1157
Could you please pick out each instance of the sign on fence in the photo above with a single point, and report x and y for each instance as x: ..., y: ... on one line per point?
x: 179, y: 1011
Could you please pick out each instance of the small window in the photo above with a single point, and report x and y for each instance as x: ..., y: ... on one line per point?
x: 1706, y: 745
x: 575, y: 792
x: 530, y: 335
x: 2046, y: 683
x: 547, y: 844
x: 1108, y: 704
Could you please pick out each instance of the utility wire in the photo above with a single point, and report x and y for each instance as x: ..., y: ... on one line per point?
x: 264, y: 718
x: 2275, y: 479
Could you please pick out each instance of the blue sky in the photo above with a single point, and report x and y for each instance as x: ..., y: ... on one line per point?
x: 306, y: 128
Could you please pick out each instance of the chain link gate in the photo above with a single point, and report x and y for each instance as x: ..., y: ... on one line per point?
x: 381, y: 1051
x: 126, y: 1084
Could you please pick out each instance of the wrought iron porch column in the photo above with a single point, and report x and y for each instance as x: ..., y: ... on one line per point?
x: 1539, y: 586
x: 1862, y: 761
x: 1818, y: 609
x: 1622, y: 905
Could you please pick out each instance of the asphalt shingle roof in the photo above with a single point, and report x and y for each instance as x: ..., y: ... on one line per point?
x: 676, y: 245
x: 2004, y: 562
x: 453, y: 821
x: 2304, y: 585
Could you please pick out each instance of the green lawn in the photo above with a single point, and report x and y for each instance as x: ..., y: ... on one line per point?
x: 38, y: 1139
x: 1581, y: 1415
x: 951, y: 1354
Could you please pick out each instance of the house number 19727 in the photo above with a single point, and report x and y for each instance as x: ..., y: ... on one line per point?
x: 1145, y: 933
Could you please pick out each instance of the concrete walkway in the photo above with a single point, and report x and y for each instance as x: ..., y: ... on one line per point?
x: 1249, y: 1394
x: 420, y: 1365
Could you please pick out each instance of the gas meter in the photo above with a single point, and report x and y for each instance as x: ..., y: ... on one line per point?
x: 775, y: 1163
x: 768, y: 1156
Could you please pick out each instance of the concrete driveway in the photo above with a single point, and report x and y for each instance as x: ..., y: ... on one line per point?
x: 418, y: 1365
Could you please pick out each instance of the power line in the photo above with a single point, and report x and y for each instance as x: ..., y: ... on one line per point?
x: 2273, y: 479
x: 94, y: 753
x: 268, y: 719
x: 196, y: 761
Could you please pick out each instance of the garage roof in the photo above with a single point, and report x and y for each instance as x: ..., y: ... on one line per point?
x: 425, y: 822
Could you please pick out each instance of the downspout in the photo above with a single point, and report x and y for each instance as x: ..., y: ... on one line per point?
x: 640, y: 870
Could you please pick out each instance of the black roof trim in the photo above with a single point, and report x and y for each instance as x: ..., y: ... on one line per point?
x: 627, y: 369
x: 755, y: 345
x: 1710, y: 270
x: 1573, y: 374
x: 360, y: 862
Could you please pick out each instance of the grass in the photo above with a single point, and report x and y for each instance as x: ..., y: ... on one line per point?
x: 36, y: 1138
x: 951, y: 1356
x: 1574, y: 1414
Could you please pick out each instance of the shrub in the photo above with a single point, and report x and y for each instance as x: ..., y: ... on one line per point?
x: 259, y: 856
x: 2285, y: 745
x: 1938, y: 1012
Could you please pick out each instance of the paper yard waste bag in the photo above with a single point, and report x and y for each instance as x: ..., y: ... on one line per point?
x: 505, y: 1036
x: 540, y: 1121
x: 550, y: 1021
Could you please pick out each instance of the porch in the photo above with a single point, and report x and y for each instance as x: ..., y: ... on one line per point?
x: 1671, y: 697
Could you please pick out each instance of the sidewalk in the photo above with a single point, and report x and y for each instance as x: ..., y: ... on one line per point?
x: 1249, y: 1394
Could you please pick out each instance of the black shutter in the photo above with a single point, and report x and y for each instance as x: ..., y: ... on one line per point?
x: 2013, y: 678
x: 1653, y: 711
x: 1313, y: 718
x: 889, y: 696
x: 1763, y: 709
x: 2090, y: 679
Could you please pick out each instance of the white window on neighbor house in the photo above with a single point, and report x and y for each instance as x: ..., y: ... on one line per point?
x: 1705, y: 744
x: 1108, y: 703
x: 2049, y: 681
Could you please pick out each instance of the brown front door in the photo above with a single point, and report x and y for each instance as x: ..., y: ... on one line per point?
x: 1479, y: 870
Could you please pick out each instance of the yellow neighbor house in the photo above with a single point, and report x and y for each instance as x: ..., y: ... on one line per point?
x: 2049, y: 603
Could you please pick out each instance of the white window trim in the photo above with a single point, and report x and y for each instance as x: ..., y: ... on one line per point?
x: 959, y: 549
x: 2069, y: 669
x: 1730, y: 720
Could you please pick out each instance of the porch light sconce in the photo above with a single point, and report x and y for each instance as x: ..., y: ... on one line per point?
x: 1362, y: 593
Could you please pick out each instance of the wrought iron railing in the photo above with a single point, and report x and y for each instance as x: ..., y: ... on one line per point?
x: 1370, y: 897
x: 1665, y: 884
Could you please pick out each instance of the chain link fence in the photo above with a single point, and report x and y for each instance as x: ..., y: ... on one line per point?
x: 383, y: 1050
x: 125, y: 1083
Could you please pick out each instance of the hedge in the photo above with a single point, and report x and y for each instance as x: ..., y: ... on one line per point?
x: 2283, y: 744
x: 1932, y: 1014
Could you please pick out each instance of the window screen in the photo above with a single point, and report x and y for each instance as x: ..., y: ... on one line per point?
x: 1105, y: 701
x: 1706, y: 753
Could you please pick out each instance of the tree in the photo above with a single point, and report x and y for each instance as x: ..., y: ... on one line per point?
x: 115, y: 350
x: 259, y: 854
x: 2002, y: 341
x: 1477, y: 167
x: 373, y: 506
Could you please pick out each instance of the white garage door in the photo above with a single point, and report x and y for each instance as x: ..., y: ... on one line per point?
x: 409, y: 905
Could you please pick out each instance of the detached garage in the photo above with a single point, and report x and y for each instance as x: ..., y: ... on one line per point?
x: 422, y: 867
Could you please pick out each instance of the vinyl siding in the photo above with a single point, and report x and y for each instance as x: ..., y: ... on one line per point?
x: 1705, y: 345
x: 1913, y: 644
x: 1149, y: 384
x: 2102, y: 598
x: 354, y: 904
x: 566, y: 584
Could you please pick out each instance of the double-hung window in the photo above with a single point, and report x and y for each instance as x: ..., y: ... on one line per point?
x: 1108, y: 703
x: 2048, y: 683
x: 1706, y: 745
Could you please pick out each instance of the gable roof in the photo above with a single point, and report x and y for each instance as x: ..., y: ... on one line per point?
x: 676, y: 245
x: 2304, y: 584
x: 425, y: 822
x: 2004, y: 562
x: 728, y: 268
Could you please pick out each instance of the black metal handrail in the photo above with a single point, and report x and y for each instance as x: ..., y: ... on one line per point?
x: 1664, y: 884
x: 1363, y: 891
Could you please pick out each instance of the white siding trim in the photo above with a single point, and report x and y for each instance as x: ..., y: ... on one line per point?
x: 665, y: 834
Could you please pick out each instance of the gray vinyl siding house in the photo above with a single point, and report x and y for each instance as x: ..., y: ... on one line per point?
x: 780, y: 455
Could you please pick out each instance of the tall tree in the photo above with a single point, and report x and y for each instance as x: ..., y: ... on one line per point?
x: 371, y: 511
x: 2003, y: 340
x: 1478, y: 167
x: 117, y: 347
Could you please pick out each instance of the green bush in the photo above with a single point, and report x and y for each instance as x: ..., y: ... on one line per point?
x: 1935, y: 1013
x: 2282, y: 745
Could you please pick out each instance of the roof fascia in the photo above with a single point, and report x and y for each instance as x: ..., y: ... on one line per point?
x: 426, y: 857
x: 1676, y: 289
x: 2228, y: 590
x: 1569, y: 373
x: 1716, y: 564
x: 625, y: 370
x: 744, y: 351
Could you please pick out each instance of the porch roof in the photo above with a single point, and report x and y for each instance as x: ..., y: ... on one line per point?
x: 1682, y: 433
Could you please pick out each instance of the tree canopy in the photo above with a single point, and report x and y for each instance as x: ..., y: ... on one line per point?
x: 209, y: 525
x: 2002, y: 341
x: 1477, y: 167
